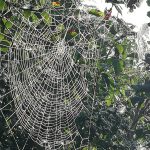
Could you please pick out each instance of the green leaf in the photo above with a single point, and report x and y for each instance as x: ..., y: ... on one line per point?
x: 142, y: 105
x: 47, y: 18
x: 73, y: 34
x: 4, y: 49
x: 122, y: 91
x: 27, y: 13
x: 1, y: 37
x: 34, y: 18
x: 124, y: 55
x: 4, y: 45
x: 108, y: 102
x: 4, y: 20
x: 120, y: 48
x: 121, y: 65
x: 96, y: 12
x: 60, y: 27
x: 42, y: 2
x: 2, y: 5
x: 8, y: 24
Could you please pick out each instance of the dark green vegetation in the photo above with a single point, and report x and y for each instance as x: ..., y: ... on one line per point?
x: 148, y: 3
x: 120, y: 113
x: 131, y: 4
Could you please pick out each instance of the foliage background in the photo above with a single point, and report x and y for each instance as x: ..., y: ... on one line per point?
x: 121, y: 115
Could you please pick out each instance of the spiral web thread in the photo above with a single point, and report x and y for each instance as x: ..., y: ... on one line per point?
x: 48, y: 84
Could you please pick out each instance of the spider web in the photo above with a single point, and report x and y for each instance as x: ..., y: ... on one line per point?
x: 47, y: 77
x: 142, y: 41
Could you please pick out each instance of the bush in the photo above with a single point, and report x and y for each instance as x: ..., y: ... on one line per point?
x: 148, y: 13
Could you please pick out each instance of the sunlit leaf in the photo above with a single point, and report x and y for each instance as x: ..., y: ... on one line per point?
x: 96, y: 12
x: 42, y: 2
x: 60, y: 27
x: 34, y: 17
x: 120, y: 48
x: 8, y: 24
x: 1, y: 37
x: 47, y: 18
x: 4, y: 20
x: 73, y: 34
x: 108, y: 102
